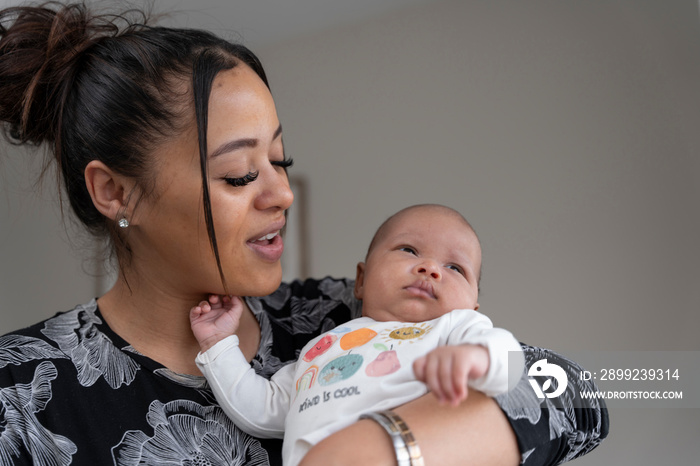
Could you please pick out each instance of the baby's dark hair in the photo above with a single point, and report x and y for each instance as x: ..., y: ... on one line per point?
x: 108, y: 88
x: 384, y: 226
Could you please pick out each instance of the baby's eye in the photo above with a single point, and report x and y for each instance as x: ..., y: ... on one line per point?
x: 456, y: 268
x: 409, y: 250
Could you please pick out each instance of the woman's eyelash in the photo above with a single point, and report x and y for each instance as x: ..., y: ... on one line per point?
x: 238, y: 182
x: 252, y: 176
x: 286, y: 163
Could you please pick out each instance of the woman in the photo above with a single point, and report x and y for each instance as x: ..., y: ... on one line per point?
x: 169, y: 145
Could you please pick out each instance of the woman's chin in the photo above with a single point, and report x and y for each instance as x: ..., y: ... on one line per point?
x: 265, y: 285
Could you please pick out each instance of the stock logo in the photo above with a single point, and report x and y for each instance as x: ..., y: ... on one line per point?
x: 544, y: 369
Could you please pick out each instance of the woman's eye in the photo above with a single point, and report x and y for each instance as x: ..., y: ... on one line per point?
x: 409, y: 250
x: 286, y: 163
x: 238, y: 182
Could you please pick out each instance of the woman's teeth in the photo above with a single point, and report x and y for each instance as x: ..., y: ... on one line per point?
x: 267, y: 237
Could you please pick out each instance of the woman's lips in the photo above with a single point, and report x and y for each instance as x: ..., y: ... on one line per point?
x: 421, y: 289
x: 268, y: 247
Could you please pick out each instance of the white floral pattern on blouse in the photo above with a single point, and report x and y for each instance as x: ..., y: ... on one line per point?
x: 73, y: 392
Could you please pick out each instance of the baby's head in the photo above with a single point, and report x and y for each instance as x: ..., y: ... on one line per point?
x: 423, y: 262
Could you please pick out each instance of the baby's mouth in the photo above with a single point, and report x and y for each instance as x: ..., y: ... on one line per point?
x: 422, y: 288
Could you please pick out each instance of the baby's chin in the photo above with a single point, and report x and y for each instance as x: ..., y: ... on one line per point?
x: 408, y: 314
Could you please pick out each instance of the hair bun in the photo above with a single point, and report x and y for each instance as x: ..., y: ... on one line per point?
x: 39, y: 51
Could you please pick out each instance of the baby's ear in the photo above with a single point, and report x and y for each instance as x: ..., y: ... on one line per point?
x: 476, y: 307
x: 360, y: 280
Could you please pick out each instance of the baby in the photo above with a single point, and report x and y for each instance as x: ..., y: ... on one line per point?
x: 419, y: 331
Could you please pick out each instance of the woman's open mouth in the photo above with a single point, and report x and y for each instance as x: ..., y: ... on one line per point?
x: 268, y: 247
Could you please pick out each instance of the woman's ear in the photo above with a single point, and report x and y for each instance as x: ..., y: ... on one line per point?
x: 107, y: 189
x: 360, y: 280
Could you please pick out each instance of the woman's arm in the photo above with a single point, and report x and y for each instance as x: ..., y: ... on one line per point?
x: 476, y: 433
x: 516, y: 427
x: 552, y: 431
x: 541, y: 432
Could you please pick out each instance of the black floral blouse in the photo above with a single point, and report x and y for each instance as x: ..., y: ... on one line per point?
x: 73, y: 392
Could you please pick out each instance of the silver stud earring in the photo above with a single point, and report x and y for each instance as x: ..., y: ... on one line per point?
x: 123, y: 223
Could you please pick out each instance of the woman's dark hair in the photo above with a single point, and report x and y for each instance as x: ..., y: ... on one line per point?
x: 108, y: 88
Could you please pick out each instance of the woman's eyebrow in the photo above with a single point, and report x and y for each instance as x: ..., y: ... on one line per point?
x: 236, y: 144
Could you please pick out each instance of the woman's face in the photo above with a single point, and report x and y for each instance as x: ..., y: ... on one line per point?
x: 249, y: 193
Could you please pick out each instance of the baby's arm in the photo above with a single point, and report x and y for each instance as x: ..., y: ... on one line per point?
x: 256, y: 405
x: 216, y: 319
x: 476, y: 355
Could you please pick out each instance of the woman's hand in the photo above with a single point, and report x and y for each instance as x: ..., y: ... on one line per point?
x: 216, y: 319
x: 476, y: 433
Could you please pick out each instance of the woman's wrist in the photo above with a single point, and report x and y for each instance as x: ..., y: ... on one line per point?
x: 407, y: 451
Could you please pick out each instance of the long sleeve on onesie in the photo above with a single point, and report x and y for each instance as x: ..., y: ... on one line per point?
x: 359, y: 367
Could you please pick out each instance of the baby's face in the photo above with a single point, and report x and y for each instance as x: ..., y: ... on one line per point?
x: 424, y: 265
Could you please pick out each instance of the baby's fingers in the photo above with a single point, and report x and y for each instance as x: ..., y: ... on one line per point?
x: 459, y: 379
x: 201, y: 308
x: 450, y: 390
x: 434, y: 374
x: 233, y: 302
x: 419, y: 368
x: 444, y: 375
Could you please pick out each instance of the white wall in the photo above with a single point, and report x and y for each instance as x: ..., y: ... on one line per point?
x: 565, y: 131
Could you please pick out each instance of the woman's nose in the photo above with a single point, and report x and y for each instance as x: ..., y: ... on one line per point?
x: 429, y: 267
x: 276, y: 192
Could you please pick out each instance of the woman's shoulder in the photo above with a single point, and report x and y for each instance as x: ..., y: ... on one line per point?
x: 38, y: 342
x: 55, y: 341
x: 310, y: 295
x: 73, y: 366
x: 36, y: 328
x: 77, y: 344
x: 297, y: 312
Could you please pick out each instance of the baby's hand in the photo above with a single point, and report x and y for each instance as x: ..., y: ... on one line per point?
x: 216, y: 319
x: 447, y: 369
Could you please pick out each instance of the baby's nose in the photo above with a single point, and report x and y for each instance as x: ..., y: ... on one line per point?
x: 430, y: 268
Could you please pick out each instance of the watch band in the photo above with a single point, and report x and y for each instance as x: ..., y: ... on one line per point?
x: 407, y: 450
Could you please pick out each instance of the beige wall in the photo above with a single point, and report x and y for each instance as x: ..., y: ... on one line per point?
x: 565, y: 131
x: 43, y: 268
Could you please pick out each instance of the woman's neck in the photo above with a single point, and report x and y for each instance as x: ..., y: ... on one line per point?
x: 155, y: 324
